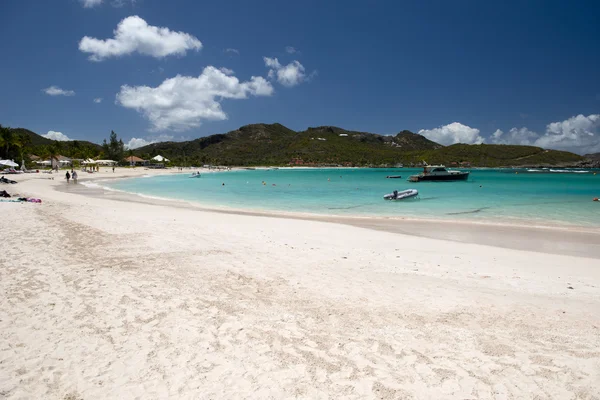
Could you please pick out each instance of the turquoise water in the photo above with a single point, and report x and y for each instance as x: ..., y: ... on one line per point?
x: 539, y: 196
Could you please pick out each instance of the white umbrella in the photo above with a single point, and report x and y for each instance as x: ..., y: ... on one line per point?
x: 160, y: 158
x: 8, y: 163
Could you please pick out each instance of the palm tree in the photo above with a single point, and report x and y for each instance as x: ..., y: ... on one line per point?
x: 54, y: 152
x: 43, y: 153
x: 23, y: 145
x: 7, y: 139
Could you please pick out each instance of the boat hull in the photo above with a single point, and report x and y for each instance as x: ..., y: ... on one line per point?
x: 462, y: 176
x: 403, y: 195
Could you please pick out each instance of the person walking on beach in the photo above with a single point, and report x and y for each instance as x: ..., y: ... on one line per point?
x: 113, y: 169
x: 75, y: 177
x: 68, y: 176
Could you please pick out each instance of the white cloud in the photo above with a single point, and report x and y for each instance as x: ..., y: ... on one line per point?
x: 579, y: 134
x: 226, y: 71
x: 272, y: 62
x: 56, y: 91
x: 133, y: 34
x: 183, y: 102
x: 52, y: 135
x: 522, y: 136
x: 290, y: 50
x: 288, y: 75
x: 453, y: 133
x: 232, y: 51
x: 121, y: 3
x: 135, y: 143
x: 90, y: 3
x: 98, y: 100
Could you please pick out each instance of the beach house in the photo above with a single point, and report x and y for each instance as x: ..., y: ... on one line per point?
x: 135, y: 161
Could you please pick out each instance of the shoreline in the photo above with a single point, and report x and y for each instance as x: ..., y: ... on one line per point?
x: 575, y: 240
x: 519, y: 222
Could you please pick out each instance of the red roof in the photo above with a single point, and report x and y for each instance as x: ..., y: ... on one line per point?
x: 134, y: 159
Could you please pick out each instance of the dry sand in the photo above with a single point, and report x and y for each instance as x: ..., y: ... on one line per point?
x: 103, y: 298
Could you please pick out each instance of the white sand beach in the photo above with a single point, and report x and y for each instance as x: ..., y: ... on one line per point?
x: 106, y: 297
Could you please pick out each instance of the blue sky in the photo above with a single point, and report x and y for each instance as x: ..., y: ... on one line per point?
x: 460, y: 71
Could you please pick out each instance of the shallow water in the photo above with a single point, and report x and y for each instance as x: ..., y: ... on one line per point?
x: 534, y: 196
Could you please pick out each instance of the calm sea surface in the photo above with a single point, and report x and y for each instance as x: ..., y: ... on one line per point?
x: 517, y: 196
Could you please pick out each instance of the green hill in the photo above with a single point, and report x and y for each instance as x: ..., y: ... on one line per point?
x: 274, y: 144
x: 34, y: 138
x: 500, y: 155
x: 28, y: 142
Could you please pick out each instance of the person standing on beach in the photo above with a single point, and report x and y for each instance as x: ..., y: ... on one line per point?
x: 113, y: 169
x: 74, y: 177
x: 68, y: 176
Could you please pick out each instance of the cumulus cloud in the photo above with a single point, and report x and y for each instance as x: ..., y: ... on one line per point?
x: 56, y: 91
x: 135, y: 143
x: 288, y: 75
x: 579, y: 134
x: 98, y: 100
x: 90, y: 3
x: 52, y: 135
x: 522, y: 136
x: 290, y: 50
x: 183, y: 102
x: 453, y: 133
x: 133, y: 34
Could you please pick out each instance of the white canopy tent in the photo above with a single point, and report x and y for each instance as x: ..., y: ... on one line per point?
x: 160, y: 158
x: 8, y: 163
x: 106, y: 162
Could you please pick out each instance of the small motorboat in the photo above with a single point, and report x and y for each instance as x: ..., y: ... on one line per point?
x: 405, y: 194
x: 195, y: 175
x: 393, y: 177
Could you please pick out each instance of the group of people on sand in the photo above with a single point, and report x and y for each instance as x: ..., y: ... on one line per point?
x: 72, y: 175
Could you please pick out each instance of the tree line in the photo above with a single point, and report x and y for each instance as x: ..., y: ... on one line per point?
x: 17, y: 145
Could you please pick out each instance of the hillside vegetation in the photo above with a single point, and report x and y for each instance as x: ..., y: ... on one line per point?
x: 275, y: 144
x: 500, y: 155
